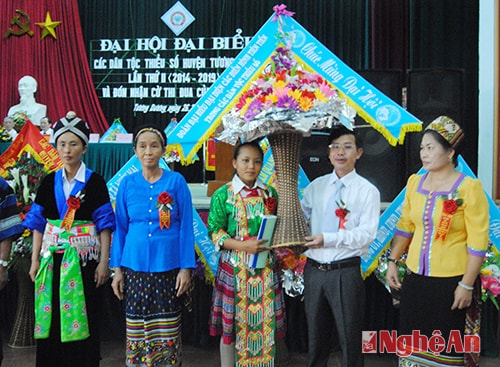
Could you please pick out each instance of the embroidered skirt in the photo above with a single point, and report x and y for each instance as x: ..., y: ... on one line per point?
x: 248, y: 309
x: 153, y: 319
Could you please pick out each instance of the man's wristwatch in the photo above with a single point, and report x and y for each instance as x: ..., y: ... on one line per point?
x: 4, y: 263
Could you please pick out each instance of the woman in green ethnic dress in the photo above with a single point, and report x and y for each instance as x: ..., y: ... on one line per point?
x: 248, y: 303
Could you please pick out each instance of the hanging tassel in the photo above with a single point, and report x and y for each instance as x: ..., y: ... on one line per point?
x: 73, y: 204
x: 164, y: 219
x: 68, y: 219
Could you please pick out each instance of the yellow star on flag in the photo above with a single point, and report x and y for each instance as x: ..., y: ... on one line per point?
x: 48, y: 27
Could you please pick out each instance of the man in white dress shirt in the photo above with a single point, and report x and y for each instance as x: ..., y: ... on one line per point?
x: 343, y: 209
x: 46, y: 128
x: 8, y: 125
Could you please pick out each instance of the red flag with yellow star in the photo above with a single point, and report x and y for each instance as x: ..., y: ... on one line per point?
x: 43, y: 39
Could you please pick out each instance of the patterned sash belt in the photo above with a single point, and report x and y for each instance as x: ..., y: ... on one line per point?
x: 73, y: 310
x: 82, y: 236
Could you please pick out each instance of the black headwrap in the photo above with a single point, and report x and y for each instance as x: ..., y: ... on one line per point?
x: 76, y: 125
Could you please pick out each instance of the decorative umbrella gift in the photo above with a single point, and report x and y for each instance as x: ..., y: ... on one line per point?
x: 284, y: 103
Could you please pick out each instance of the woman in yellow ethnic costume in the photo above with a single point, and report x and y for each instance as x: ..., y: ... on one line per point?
x: 444, y: 227
x: 248, y: 303
x: 72, y: 221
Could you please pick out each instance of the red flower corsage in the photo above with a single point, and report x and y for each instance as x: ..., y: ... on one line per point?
x: 271, y: 204
x: 74, y: 203
x: 164, y: 205
x: 450, y: 206
x: 341, y: 213
x: 451, y: 203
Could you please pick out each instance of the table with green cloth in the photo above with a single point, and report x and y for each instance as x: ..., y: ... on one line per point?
x: 103, y: 158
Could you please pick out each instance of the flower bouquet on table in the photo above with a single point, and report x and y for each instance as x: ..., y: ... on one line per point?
x: 24, y: 177
x: 20, y: 119
x: 4, y: 135
x: 172, y: 156
x: 490, y: 276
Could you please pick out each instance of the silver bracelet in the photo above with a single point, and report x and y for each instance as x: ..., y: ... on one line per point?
x: 465, y: 286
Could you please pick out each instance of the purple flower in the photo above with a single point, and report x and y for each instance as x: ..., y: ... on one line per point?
x: 253, y: 109
x: 282, y: 59
x: 281, y: 50
x: 284, y: 63
x: 287, y: 102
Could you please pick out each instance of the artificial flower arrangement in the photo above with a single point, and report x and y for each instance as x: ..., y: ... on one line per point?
x: 20, y: 119
x: 20, y: 254
x: 381, y: 271
x: 172, y: 156
x: 291, y: 266
x: 24, y: 177
x: 284, y: 96
x: 283, y: 99
x: 285, y: 88
x: 490, y: 277
x: 4, y: 135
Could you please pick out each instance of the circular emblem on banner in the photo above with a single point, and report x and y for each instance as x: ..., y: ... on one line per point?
x: 388, y: 115
x: 298, y: 38
x: 177, y: 18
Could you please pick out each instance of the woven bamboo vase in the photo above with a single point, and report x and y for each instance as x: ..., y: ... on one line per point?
x: 291, y: 226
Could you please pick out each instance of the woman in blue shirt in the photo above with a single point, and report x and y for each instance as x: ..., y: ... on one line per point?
x: 152, y: 253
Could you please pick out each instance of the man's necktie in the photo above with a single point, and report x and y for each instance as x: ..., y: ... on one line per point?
x: 330, y: 222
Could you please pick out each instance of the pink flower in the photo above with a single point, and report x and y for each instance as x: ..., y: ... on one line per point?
x: 491, y: 284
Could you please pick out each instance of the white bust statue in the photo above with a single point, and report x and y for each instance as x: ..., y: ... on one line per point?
x: 27, y: 87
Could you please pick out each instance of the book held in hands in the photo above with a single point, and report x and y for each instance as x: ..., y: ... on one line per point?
x: 266, y: 230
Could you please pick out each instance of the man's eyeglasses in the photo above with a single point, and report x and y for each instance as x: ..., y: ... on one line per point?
x: 346, y: 147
